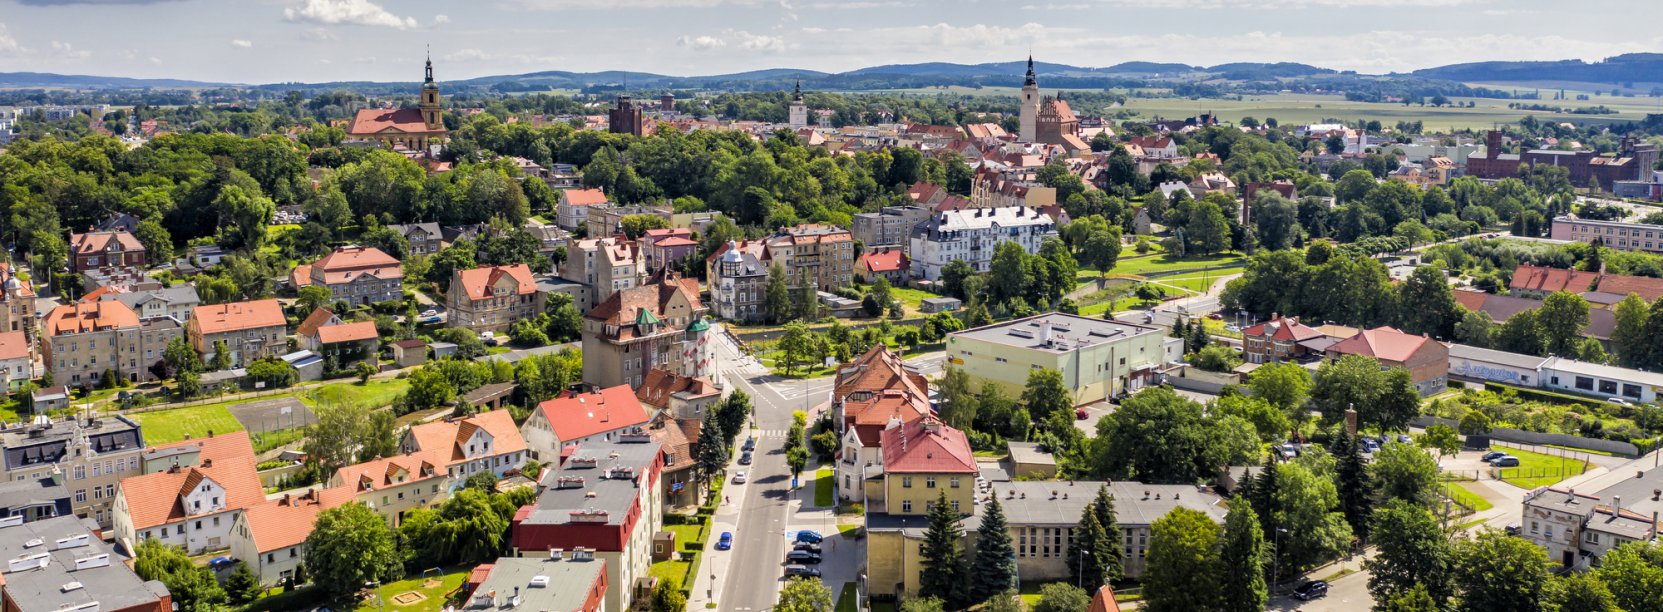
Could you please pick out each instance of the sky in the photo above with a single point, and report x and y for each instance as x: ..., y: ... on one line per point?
x: 272, y: 41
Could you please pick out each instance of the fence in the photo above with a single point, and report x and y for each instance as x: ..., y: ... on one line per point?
x: 1520, y: 436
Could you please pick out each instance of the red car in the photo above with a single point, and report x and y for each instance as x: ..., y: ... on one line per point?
x: 1080, y: 414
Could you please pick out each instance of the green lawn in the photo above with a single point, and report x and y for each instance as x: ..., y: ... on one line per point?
x: 1466, y: 497
x: 172, y: 425
x: 846, y: 598
x: 435, y: 600
x: 1163, y: 264
x: 912, y: 298
x: 1537, y: 470
x: 824, y: 496
x: 377, y: 393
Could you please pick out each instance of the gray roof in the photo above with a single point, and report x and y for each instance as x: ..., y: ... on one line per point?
x: 33, y: 445
x: 111, y: 585
x: 1473, y: 353
x: 986, y: 218
x: 30, y: 493
x: 945, y: 301
x: 568, y: 583
x: 1572, y: 366
x: 220, y: 376
x: 404, y: 229
x: 1068, y: 332
x: 176, y: 294
x: 1028, y: 453
x: 602, y: 488
x: 1135, y: 503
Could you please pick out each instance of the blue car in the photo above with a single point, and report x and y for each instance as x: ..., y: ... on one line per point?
x: 809, y: 536
x: 725, y: 542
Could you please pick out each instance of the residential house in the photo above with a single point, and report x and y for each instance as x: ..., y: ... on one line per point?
x: 191, y: 506
x: 25, y: 501
x: 1156, y: 147
x: 1602, y: 322
x: 608, y: 220
x: 92, y: 456
x: 921, y: 461
x: 603, y: 265
x: 270, y: 538
x: 357, y: 274
x: 1099, y: 359
x: 685, y: 397
x: 1538, y: 281
x: 640, y: 328
x: 572, y: 208
x: 176, y: 301
x: 1648, y: 288
x: 87, y: 340
x: 1578, y: 529
x: 603, y: 501
x: 1427, y: 360
x: 250, y: 330
x: 491, y: 298
x: 891, y: 225
x: 60, y: 565
x: 409, y: 353
x: 17, y: 359
x: 1281, y: 339
x: 679, y: 437
x: 667, y: 247
x: 424, y: 238
x: 565, y: 582
x: 866, y: 418
x: 737, y: 278
x: 888, y: 263
x: 821, y: 255
x: 435, y: 459
x: 49, y: 399
x: 972, y: 236
x: 332, y: 338
x: 94, y: 250
x: 576, y: 418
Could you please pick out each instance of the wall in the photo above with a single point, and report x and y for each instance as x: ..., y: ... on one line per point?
x: 1196, y: 379
x: 1509, y: 434
x: 921, y: 494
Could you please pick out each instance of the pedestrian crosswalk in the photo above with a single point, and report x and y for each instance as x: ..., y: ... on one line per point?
x: 771, y: 433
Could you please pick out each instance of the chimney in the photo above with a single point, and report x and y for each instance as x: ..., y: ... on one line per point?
x: 1616, y: 505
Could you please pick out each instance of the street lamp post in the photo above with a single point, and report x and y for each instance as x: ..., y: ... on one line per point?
x: 1276, y: 557
x: 1080, y: 579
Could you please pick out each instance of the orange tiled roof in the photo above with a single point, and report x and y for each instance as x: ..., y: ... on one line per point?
x: 581, y: 416
x: 346, y: 263
x: 83, y: 317
x: 157, y: 499
x: 14, y: 345
x: 347, y: 332
x: 887, y: 260
x: 236, y: 316
x: 281, y: 523
x: 1650, y: 289
x: 659, y: 384
x: 927, y: 445
x: 445, y: 440
x: 1549, y: 280
x: 370, y: 121
x: 1381, y: 342
x: 98, y: 242
x: 584, y: 197
x: 215, y: 447
x: 477, y: 282
x: 319, y: 318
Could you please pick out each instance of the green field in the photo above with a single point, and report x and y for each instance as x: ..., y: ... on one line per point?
x: 377, y: 393
x: 1293, y: 109
x: 1162, y: 264
x: 172, y: 425
x: 434, y: 595
x: 1466, y: 497
x: 846, y: 598
x: 1538, y: 470
x: 824, y: 495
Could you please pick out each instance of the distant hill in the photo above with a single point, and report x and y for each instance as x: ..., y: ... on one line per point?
x: 47, y: 79
x: 1630, y: 68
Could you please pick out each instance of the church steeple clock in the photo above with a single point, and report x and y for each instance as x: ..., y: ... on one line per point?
x: 430, y: 101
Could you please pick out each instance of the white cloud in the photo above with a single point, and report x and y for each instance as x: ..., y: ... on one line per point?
x: 481, y: 56
x: 319, y: 34
x: 738, y: 39
x: 68, y: 51
x: 1282, y: 4
x: 155, y: 61
x: 347, y: 12
x: 7, y: 43
x: 438, y: 19
x: 241, y: 44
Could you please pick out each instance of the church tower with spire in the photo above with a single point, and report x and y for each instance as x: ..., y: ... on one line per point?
x: 1030, y: 106
x: 798, y: 110
x: 430, y: 106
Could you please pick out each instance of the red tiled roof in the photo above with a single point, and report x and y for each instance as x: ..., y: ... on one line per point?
x: 1548, y: 280
x: 1471, y: 300
x: 927, y: 445
x: 158, y: 498
x: 447, y: 440
x: 83, y: 317
x: 347, y: 332
x: 622, y: 306
x: 659, y: 385
x: 583, y: 197
x: 98, y: 242
x: 14, y: 345
x: 345, y: 263
x: 314, y: 322
x: 1382, y: 343
x: 215, y: 447
x: 1283, y: 328
x: 871, y: 416
x: 477, y: 282
x: 584, y: 415
x: 673, y: 241
x: 886, y: 260
x: 376, y: 120
x: 281, y: 523
x: 234, y: 316
x: 874, y: 371
x: 1650, y: 289
x: 300, y: 276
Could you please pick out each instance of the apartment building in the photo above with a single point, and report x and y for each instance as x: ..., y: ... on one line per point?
x: 1099, y: 359
x: 640, y: 328
x: 1427, y: 360
x: 737, y: 278
x: 492, y: 298
x: 891, y: 225
x: 191, y: 505
x: 86, y: 341
x: 821, y: 255
x: 1620, y: 235
x: 605, y: 265
x: 176, y: 301
x: 60, y: 565
x: 972, y: 235
x: 360, y: 275
x: 250, y: 330
x: 576, y: 418
x: 424, y: 238
x: 91, y: 455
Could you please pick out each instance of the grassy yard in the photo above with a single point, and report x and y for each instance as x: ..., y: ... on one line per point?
x: 1466, y: 497
x: 911, y: 298
x: 435, y: 595
x: 1537, y: 469
x: 1164, y: 264
x: 377, y: 393
x: 846, y: 598
x: 164, y: 426
x: 824, y: 496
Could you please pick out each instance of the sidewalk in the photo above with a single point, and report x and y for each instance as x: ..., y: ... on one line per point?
x: 842, y: 558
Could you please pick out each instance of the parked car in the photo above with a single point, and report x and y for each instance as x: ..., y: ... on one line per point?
x: 812, y: 537
x: 1505, y: 462
x: 1491, y: 455
x: 1289, y: 451
x: 1311, y: 590
x: 1512, y: 529
x: 1619, y: 401
x: 1232, y: 327
x: 802, y: 570
x: 808, y: 546
x: 1370, y: 446
x: 429, y: 313
x: 739, y: 477
x: 750, y: 444
x: 1404, y: 438
x: 1215, y: 316
x: 1080, y: 414
x: 725, y: 542
x: 745, y: 458
x: 802, y: 557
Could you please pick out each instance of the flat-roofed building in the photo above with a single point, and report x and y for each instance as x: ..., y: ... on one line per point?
x: 1099, y: 359
x: 61, y: 565
x: 575, y: 583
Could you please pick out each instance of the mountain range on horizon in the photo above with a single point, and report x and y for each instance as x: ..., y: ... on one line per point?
x: 1624, y: 70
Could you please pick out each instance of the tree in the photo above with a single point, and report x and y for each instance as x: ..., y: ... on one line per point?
x: 193, y: 587
x: 795, y: 346
x: 1634, y: 574
x: 1156, y: 436
x: 1008, y: 274
x: 1242, y: 557
x: 1062, y: 597
x: 180, y: 357
x: 796, y: 450
x: 1562, y: 317
x: 666, y: 596
x: 712, y: 450
x: 804, y: 595
x: 242, y: 586
x: 364, y: 371
x: 993, y: 571
x: 732, y: 413
x: 1628, y: 337
x: 349, y: 546
x: 1429, y: 304
x: 1398, y: 401
x: 1284, y: 384
x: 1413, y: 550
x: 1111, y: 552
x: 1353, y: 483
x: 1404, y: 471
x: 1208, y: 231
x: 776, y: 295
x: 926, y: 604
x: 1495, y: 571
x: 1216, y: 358
x: 1440, y: 438
x: 158, y: 244
x: 957, y: 404
x: 467, y: 528
x: 1182, y: 566
x: 1414, y: 599
x: 1307, y: 507
x: 1046, y: 395
x: 1580, y: 592
x: 942, y: 562
x: 1087, y: 550
x: 332, y: 440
